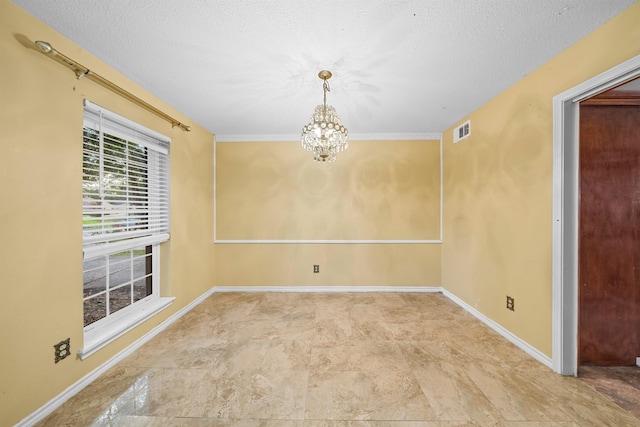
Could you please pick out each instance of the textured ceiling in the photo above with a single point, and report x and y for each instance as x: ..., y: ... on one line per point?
x: 242, y: 68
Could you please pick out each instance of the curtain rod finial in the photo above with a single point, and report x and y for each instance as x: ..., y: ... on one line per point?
x: 45, y: 47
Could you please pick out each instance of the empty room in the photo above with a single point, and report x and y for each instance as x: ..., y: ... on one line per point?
x: 398, y: 213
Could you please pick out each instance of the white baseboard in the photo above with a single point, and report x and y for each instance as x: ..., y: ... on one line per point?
x: 327, y: 289
x: 72, y: 390
x: 523, y: 345
x: 57, y: 401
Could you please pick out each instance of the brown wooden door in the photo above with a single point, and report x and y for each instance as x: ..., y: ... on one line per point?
x: 609, y: 235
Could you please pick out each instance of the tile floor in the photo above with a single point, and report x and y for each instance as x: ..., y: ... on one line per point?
x: 334, y: 360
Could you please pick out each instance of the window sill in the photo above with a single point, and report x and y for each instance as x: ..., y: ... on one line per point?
x: 99, y: 337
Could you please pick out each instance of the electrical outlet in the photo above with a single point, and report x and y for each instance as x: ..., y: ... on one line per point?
x: 316, y: 268
x: 62, y: 349
x: 511, y: 303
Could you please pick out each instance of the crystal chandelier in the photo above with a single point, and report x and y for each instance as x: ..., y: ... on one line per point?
x: 324, y: 135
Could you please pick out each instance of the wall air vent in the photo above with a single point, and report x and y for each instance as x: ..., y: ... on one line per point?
x: 462, y: 131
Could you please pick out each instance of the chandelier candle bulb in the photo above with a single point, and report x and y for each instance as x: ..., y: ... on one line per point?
x: 324, y: 135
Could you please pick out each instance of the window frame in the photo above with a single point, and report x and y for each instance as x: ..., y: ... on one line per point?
x: 107, y: 329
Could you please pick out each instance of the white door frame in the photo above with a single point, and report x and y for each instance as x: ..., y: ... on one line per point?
x: 566, y: 116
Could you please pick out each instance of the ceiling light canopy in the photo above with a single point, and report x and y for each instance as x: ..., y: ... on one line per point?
x: 324, y: 135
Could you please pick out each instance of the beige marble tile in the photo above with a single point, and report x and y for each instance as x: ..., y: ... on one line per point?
x: 434, y: 306
x: 215, y: 422
x: 101, y: 401
x: 365, y: 395
x: 329, y: 306
x: 544, y: 424
x: 359, y: 356
x: 273, y: 395
x: 332, y: 304
x: 405, y: 314
x: 273, y: 321
x: 291, y: 328
x: 197, y: 353
x: 347, y: 298
x: 285, y: 305
x: 140, y: 421
x: 334, y: 360
x: 333, y: 423
x: 259, y: 395
x: 231, y: 312
x: 515, y: 397
x: 417, y: 330
x: 453, y: 395
x: 407, y: 308
x: 332, y: 328
x: 223, y: 331
x: 240, y: 357
x: 389, y: 300
x: 501, y: 352
x: 368, y: 324
x: 230, y: 303
x: 287, y: 356
x: 249, y: 329
x: 417, y: 353
x: 174, y: 392
x: 421, y: 299
x: 504, y: 423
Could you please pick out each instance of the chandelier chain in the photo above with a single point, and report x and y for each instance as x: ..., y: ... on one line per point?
x: 326, y: 88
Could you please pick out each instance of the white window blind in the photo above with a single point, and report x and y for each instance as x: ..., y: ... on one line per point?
x: 125, y: 183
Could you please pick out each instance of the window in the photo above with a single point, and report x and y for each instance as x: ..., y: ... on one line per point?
x: 115, y: 281
x: 125, y: 216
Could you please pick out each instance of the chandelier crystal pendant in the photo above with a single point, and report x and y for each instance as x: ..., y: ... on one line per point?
x: 324, y: 135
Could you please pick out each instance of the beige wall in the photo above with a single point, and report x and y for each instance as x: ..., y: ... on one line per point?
x: 376, y: 190
x: 498, y: 187
x: 40, y: 212
x: 340, y: 265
